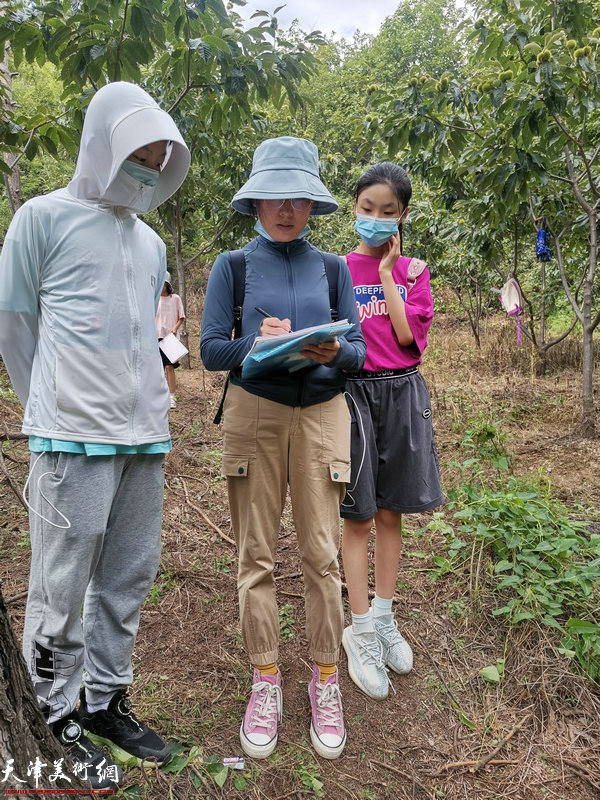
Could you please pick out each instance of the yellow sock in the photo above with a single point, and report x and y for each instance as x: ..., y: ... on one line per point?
x: 325, y: 671
x: 266, y: 669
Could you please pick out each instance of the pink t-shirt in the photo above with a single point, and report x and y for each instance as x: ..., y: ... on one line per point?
x: 170, y: 310
x: 383, y: 350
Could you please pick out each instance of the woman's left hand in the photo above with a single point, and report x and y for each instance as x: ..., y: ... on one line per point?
x: 391, y: 254
x: 322, y: 353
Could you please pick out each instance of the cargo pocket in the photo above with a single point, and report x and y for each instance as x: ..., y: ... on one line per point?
x: 235, y: 466
x: 339, y: 472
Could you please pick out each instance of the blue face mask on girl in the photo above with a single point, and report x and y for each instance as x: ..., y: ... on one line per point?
x: 145, y: 175
x: 375, y: 231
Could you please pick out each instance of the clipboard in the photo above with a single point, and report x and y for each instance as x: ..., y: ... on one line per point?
x: 172, y: 348
x: 270, y: 353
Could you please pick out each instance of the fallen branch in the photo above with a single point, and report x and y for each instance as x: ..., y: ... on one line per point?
x: 487, y: 758
x: 205, y: 516
x: 582, y: 772
x: 9, y: 436
x: 207, y: 785
x: 435, y: 666
x: 15, y: 597
x: 11, y: 482
x: 404, y: 775
x: 499, y: 762
x: 292, y: 575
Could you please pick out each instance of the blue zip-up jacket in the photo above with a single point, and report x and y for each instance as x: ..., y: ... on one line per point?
x: 287, y: 279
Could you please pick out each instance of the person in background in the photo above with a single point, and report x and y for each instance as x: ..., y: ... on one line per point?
x: 394, y: 459
x: 80, y: 278
x: 169, y: 318
x: 287, y: 429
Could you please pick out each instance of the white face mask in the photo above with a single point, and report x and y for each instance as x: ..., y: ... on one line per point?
x: 129, y: 193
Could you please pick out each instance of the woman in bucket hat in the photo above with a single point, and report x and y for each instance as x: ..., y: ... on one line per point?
x: 289, y: 428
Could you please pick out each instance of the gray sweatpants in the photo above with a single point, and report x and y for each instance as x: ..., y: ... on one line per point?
x: 88, y: 581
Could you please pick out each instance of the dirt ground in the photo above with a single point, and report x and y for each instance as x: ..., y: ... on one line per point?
x: 442, y: 734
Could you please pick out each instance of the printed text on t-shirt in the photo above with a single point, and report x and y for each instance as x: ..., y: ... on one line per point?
x: 370, y: 300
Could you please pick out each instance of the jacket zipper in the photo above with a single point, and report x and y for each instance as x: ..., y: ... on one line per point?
x: 135, y: 329
x: 293, y: 311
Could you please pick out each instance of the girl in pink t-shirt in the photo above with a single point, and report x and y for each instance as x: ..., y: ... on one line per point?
x: 394, y: 460
x: 169, y: 318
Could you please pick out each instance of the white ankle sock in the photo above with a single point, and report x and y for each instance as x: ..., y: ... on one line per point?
x: 362, y: 623
x: 381, y: 607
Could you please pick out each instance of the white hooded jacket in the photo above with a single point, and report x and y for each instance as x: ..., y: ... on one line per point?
x: 80, y: 279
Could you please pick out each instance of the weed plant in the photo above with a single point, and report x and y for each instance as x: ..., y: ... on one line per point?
x: 545, y: 565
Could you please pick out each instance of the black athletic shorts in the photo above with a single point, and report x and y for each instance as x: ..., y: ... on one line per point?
x: 393, y: 455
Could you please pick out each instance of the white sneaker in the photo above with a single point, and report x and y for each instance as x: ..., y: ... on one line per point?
x: 365, y: 663
x: 397, y: 653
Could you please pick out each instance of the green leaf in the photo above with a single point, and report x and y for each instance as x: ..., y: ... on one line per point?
x: 133, y: 792
x: 218, y: 772
x: 581, y: 626
x: 521, y: 615
x: 462, y: 717
x: 137, y: 20
x: 490, y: 674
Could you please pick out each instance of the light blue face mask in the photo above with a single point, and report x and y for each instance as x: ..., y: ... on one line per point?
x: 145, y: 175
x: 258, y: 227
x: 375, y: 231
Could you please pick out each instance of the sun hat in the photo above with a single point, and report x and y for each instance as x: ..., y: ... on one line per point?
x: 168, y: 280
x: 285, y: 168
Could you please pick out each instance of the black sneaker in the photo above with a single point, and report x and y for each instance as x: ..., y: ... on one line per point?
x: 124, y: 736
x: 89, y: 762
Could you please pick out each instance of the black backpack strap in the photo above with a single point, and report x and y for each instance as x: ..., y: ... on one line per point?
x: 331, y: 270
x: 238, y: 270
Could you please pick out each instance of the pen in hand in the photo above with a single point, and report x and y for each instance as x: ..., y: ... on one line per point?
x: 273, y: 328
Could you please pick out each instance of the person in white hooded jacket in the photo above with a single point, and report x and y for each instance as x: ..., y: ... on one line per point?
x: 80, y: 280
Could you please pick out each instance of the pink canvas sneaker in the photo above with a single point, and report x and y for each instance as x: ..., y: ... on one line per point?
x: 327, y: 730
x: 258, y: 732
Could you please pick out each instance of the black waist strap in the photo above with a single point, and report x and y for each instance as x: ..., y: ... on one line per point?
x: 365, y: 374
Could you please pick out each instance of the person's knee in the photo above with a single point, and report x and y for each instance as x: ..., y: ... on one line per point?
x: 358, y: 528
x: 390, y: 519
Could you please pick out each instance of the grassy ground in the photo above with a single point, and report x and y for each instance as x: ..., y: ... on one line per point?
x: 444, y: 733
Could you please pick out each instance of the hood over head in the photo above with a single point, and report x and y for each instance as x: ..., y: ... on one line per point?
x: 121, y: 118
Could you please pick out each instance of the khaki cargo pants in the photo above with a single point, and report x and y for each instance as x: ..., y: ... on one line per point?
x: 266, y: 447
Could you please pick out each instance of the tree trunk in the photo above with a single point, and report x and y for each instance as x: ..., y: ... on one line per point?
x: 29, y: 754
x: 177, y: 230
x: 12, y: 180
x: 588, y: 416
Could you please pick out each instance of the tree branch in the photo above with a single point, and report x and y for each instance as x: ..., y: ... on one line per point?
x: 185, y: 91
x: 563, y: 277
x: 11, y: 482
x: 120, y: 42
x: 581, y: 150
x: 208, y: 247
x: 30, y: 137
